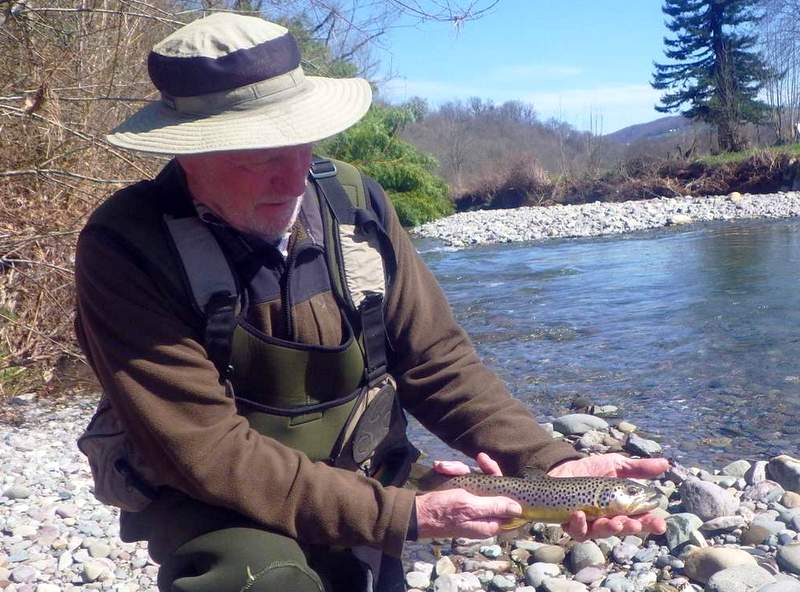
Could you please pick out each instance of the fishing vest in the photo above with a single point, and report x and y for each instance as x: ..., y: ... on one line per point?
x: 337, y: 404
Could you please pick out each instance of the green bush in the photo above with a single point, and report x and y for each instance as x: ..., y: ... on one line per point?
x: 405, y: 173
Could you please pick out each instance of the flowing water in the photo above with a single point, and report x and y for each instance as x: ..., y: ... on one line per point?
x: 694, y: 332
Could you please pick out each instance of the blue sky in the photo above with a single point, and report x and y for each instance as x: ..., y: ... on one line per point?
x: 569, y: 59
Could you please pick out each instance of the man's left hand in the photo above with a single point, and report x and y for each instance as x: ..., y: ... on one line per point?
x: 612, y: 465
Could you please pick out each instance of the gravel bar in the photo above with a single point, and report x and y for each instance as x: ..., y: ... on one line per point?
x: 601, y: 218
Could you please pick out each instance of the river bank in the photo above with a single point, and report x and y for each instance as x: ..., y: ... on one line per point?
x: 602, y: 218
x: 740, y: 525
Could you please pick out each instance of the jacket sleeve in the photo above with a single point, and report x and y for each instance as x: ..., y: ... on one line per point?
x: 441, y: 380
x: 161, y: 383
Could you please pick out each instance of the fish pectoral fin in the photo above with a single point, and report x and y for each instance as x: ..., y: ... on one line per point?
x: 514, y: 523
x: 532, y: 473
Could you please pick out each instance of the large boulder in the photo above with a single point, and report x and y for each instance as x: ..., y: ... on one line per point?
x: 701, y: 564
x: 707, y: 500
x: 785, y: 470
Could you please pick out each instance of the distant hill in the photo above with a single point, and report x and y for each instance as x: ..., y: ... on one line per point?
x: 657, y: 129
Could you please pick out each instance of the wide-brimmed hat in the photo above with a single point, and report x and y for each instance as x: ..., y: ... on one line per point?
x: 233, y: 82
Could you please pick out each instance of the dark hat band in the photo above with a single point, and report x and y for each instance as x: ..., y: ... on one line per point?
x: 199, y: 75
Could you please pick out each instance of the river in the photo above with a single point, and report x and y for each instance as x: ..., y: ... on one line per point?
x: 694, y: 332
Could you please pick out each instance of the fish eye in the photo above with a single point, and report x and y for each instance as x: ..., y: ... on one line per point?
x: 632, y: 489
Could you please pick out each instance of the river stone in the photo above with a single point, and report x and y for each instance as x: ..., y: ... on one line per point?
x: 576, y: 424
x: 491, y: 551
x: 521, y: 556
x: 765, y: 491
x: 789, y: 558
x: 679, y: 527
x: 503, y: 583
x: 445, y: 566
x: 783, y: 583
x: 618, y: 582
x: 756, y: 473
x: 460, y: 582
x: 785, y: 470
x: 421, y: 566
x: 791, y: 499
x: 737, y: 468
x: 549, y: 554
x: 23, y: 574
x: 17, y: 492
x: 678, y: 219
x: 536, y: 573
x: 741, y: 578
x: 563, y: 585
x: 641, y: 446
x: 590, y: 574
x: 607, y: 544
x: 624, y: 553
x: 417, y: 579
x: 585, y: 554
x: 626, y: 427
x: 701, y: 564
x: 707, y: 500
x: 723, y: 523
x: 760, y: 529
x: 643, y: 580
x: 43, y: 587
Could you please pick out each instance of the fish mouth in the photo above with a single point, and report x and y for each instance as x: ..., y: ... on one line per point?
x: 649, y: 501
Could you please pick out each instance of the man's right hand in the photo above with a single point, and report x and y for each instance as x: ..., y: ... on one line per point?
x: 457, y: 513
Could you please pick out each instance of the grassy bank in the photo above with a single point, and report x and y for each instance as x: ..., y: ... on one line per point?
x: 762, y: 170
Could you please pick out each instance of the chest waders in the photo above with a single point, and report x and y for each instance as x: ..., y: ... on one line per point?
x: 337, y: 404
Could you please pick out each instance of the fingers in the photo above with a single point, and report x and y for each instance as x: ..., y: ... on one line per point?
x: 642, y: 468
x: 580, y: 529
x: 488, y: 465
x: 450, y: 467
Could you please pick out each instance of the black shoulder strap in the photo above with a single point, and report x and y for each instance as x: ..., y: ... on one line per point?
x: 368, y: 313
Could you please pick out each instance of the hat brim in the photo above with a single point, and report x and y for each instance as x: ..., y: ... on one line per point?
x: 326, y: 107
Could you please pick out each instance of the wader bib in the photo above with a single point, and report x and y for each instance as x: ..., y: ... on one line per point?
x: 336, y: 404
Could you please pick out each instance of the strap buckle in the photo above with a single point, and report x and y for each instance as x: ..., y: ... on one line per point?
x: 322, y: 169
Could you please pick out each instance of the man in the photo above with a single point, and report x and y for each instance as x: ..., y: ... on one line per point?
x: 237, y: 407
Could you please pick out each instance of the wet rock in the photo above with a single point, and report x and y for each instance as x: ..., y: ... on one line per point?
x: 578, y: 424
x: 641, y: 446
x: 701, y: 564
x: 785, y: 470
x: 491, y: 551
x: 707, y: 500
x: 739, y: 579
x: 737, y: 468
x: 626, y: 427
x: 678, y: 219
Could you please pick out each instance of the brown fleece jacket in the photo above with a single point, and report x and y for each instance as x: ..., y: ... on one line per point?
x: 153, y: 367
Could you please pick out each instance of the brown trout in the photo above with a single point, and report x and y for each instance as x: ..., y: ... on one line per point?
x: 553, y: 499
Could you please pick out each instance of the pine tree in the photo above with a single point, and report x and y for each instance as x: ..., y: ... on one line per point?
x: 717, y: 71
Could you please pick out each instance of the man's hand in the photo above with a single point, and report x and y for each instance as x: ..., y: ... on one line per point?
x: 612, y: 465
x: 455, y: 513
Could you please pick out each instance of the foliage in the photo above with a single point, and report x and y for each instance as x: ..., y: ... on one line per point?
x: 318, y: 59
x: 404, y: 172
x: 717, y: 71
